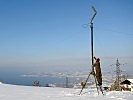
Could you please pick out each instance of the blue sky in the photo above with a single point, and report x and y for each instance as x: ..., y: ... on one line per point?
x: 49, y: 33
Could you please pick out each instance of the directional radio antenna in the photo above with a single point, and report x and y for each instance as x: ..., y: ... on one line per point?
x: 95, y: 12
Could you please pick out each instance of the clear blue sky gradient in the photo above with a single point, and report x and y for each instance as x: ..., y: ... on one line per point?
x: 47, y: 33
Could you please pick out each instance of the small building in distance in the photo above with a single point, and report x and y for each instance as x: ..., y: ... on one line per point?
x: 127, y: 85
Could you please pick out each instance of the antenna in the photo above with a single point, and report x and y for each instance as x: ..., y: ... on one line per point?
x: 92, y: 72
x: 91, y: 26
x: 95, y: 12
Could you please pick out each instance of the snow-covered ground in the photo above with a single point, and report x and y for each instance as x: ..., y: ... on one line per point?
x: 14, y: 92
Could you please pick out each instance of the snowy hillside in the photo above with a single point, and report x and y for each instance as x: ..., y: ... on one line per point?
x: 13, y: 92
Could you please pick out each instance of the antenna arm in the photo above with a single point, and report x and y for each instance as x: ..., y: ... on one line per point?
x: 93, y: 17
x: 95, y: 12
